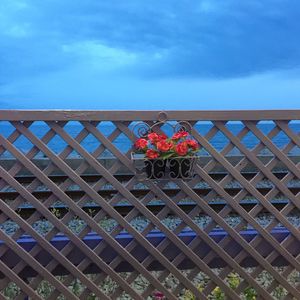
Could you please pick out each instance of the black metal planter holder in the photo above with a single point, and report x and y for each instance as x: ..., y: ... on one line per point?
x: 172, y: 168
x: 180, y: 167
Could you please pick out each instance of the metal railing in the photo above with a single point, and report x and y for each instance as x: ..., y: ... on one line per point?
x: 77, y: 222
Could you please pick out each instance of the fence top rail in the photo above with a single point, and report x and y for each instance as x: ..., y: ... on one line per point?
x: 136, y: 115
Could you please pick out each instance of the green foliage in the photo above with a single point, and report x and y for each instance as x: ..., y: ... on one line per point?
x: 11, y: 291
x: 279, y: 292
x: 218, y: 294
x: 190, y: 296
x: 250, y: 293
x: 233, y: 281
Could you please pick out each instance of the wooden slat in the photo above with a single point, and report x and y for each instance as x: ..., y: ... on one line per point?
x: 117, y: 115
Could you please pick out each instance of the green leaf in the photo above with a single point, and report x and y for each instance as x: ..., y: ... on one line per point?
x: 167, y: 155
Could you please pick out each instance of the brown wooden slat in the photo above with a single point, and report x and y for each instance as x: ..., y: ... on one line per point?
x: 117, y: 115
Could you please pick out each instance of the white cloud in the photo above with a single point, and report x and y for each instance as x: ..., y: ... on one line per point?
x: 99, y: 55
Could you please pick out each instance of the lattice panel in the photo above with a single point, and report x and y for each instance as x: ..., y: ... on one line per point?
x: 76, y: 222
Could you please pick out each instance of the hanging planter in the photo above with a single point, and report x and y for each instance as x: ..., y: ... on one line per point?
x: 167, y: 157
x: 155, y: 168
x: 180, y: 167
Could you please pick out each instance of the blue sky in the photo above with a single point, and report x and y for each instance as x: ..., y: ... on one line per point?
x: 158, y: 54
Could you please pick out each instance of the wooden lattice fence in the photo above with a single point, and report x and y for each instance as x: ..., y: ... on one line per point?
x: 74, y: 211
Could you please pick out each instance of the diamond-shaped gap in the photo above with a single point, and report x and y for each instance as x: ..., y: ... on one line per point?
x: 233, y: 280
x: 170, y: 282
x: 202, y: 184
x: 44, y: 289
x: 219, y: 141
x: 108, y: 286
x: 5, y: 154
x: 294, y: 125
x: 265, y: 183
x: 39, y: 129
x: 139, y: 223
x: 185, y: 202
x: 233, y: 219
x: 265, y: 152
x: 57, y: 144
x: 140, y: 284
x: 74, y: 155
x: 264, y: 279
x: 281, y: 140
x: 42, y: 226
x: 203, y: 127
x: 72, y: 185
x: 233, y: 184
x: 106, y: 128
x: 234, y: 126
x: 233, y: 155
x: 171, y: 221
x: 106, y: 159
x: 293, y: 278
x: 263, y: 219
x: 279, y: 292
x: 77, y: 287
x: 73, y: 128
x: 108, y: 224
x: 265, y: 126
x: 123, y: 143
x: 171, y: 186
x: 248, y: 199
x: 76, y: 224
x: 23, y: 144
x: 90, y: 143
x: 41, y: 160
x: 250, y: 141
x: 122, y: 203
x: 295, y: 151
x: 6, y: 128
x: 250, y: 167
x: 9, y: 227
x: 203, y: 220
x: 249, y: 293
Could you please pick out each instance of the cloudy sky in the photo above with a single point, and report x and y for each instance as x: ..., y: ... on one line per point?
x: 158, y: 54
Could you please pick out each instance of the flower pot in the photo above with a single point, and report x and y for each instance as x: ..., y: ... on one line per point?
x: 180, y: 167
x: 155, y: 168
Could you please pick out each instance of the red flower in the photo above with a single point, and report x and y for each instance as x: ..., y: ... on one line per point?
x: 162, y: 136
x: 152, y: 154
x: 193, y: 144
x: 153, y: 137
x: 182, y: 149
x: 179, y: 134
x: 141, y: 143
x: 164, y: 146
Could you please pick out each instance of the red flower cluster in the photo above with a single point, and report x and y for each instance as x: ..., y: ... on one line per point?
x: 156, y: 145
x: 158, y: 295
